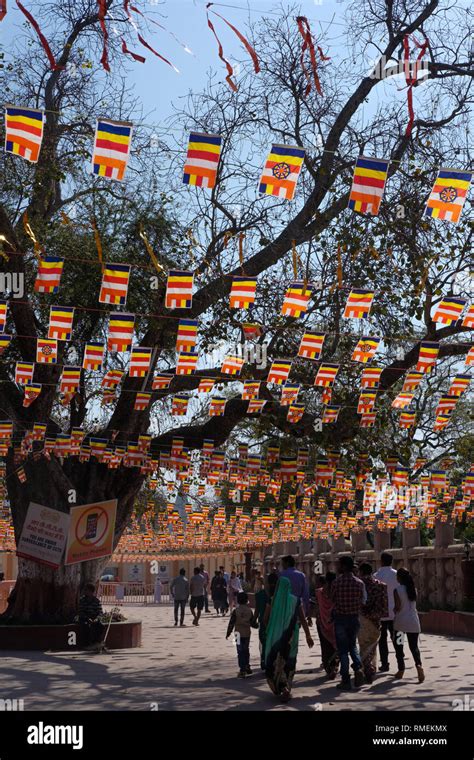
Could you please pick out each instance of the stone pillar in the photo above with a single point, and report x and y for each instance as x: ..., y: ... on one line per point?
x: 358, y: 541
x: 248, y: 566
x: 381, y: 541
x: 444, y: 534
x: 410, y: 537
x: 338, y: 544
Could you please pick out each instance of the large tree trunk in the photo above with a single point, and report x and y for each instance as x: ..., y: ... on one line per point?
x: 41, y: 594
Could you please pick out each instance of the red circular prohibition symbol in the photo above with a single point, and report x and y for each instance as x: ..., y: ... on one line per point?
x: 97, y: 540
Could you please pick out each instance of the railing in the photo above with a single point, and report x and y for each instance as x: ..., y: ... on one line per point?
x: 133, y: 592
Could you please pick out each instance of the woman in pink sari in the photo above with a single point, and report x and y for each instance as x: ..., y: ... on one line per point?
x: 325, y: 625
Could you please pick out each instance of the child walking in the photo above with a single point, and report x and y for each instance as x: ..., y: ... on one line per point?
x: 241, y: 620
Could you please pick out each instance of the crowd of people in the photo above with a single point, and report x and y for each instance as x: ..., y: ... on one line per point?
x: 356, y: 609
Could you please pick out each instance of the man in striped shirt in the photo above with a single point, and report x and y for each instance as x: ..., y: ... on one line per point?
x: 90, y: 609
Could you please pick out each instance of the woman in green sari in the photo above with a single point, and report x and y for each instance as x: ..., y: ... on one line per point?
x: 284, y: 616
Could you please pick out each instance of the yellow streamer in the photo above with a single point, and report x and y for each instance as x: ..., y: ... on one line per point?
x: 27, y: 227
x: 98, y: 243
x: 151, y: 254
x: 295, y: 259
x: 241, y: 249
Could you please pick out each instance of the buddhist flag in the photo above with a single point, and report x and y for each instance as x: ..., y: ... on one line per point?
x: 39, y: 431
x: 470, y: 357
x: 407, y: 419
x: 468, y: 320
x: 205, y: 385
x: 295, y: 413
x: 370, y: 377
x: 32, y: 391
x: 60, y: 322
x: 441, y: 421
x: 50, y: 269
x: 187, y: 335
x: 289, y: 393
x: 281, y: 171
x: 368, y: 419
x: 296, y: 299
x: 112, y: 378
x: 140, y: 359
x: 251, y: 330
x: 365, y: 350
x: 446, y: 405
x: 217, y: 407
x: 46, y: 351
x: 326, y: 375
x: 232, y: 365
x: 202, y: 159
x: 438, y: 481
x: 70, y: 379
x: 358, y: 304
x: 279, y: 371
x: 243, y: 292
x: 5, y: 341
x: 368, y: 183
x: 459, y: 384
x: 330, y: 414
x: 3, y: 315
x: 427, y: 356
x: 366, y: 401
x: 6, y: 430
x: 256, y: 406
x: 161, y: 382
x: 179, y: 290
x: 402, y: 400
x: 412, y: 381
x: 93, y: 356
x: 121, y: 328
x: 251, y: 390
x: 449, y: 310
x: 24, y: 372
x: 111, y: 148
x: 326, y: 396
x: 311, y: 345
x: 115, y: 284
x: 448, y: 195
x: 141, y: 401
x: 187, y: 362
x: 23, y: 132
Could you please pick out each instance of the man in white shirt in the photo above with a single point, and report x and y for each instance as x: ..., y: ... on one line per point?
x: 387, y: 575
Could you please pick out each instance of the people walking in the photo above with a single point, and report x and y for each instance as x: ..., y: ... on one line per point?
x: 205, y: 575
x: 387, y: 575
x: 196, y: 586
x: 283, y: 618
x: 219, y: 593
x: 179, y: 589
x: 298, y: 582
x: 406, y: 621
x: 234, y: 588
x: 325, y: 625
x: 262, y: 598
x: 373, y: 610
x: 241, y: 621
x: 348, y: 594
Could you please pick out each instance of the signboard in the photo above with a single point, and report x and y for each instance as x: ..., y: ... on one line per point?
x: 91, y: 531
x: 44, y: 534
x: 135, y: 573
x: 163, y: 572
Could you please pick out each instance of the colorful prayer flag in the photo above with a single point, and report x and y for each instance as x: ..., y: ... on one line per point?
x: 459, y: 385
x: 187, y: 335
x: 449, y: 310
x: 93, y: 356
x: 60, y: 322
x: 3, y: 315
x: 281, y: 171
x: 402, y: 400
x: 112, y: 378
x: 412, y: 381
x: 296, y: 299
x: 330, y: 414
x: 121, y: 328
x: 161, y: 382
x: 368, y: 419
x: 114, y: 286
x: 366, y: 402
x: 468, y: 320
x: 205, y: 385
x: 5, y: 341
x: 187, y: 362
x: 202, y: 159
x: 289, y: 393
x: 326, y: 375
x: 446, y: 405
x: 251, y: 330
x: 70, y: 379
x: 23, y: 132
x: 50, y: 269
x: 370, y: 377
x: 295, y: 413
x: 407, y: 419
x: 358, y: 304
x: 256, y: 405
x: 179, y: 290
x: 217, y: 407
x: 32, y: 391
x: 251, y: 390
x: 111, y: 148
x: 365, y: 350
x: 427, y: 357
x: 470, y: 357
x: 448, y: 194
x: 311, y: 345
x: 279, y: 371
x: 141, y: 401
x: 243, y: 292
x: 368, y: 183
x: 140, y: 359
x: 46, y: 351
x: 232, y: 365
x: 24, y: 372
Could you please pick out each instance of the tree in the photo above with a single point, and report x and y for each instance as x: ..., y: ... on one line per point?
x: 408, y: 261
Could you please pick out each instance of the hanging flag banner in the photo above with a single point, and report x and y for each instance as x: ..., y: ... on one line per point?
x: 23, y: 132
x: 5, y: 341
x: 179, y: 290
x: 46, y: 351
x: 70, y: 379
x: 326, y: 375
x: 370, y: 377
x: 93, y: 356
x: 3, y: 315
x: 365, y: 350
x: 43, y: 536
x: 32, y: 391
x: 111, y: 148
x: 140, y: 359
x: 311, y: 345
x: 468, y: 320
x: 91, y: 532
x: 279, y: 371
x: 121, y: 328
x: 368, y: 184
x: 60, y: 322
x: 428, y: 355
x: 142, y: 400
x: 448, y: 195
x: 358, y: 304
x: 412, y: 381
x: 232, y: 365
x: 24, y: 372
x: 114, y: 286
x: 50, y: 269
x: 449, y: 310
x: 202, y: 159
x: 243, y: 292
x: 281, y: 171
x: 187, y: 335
x: 296, y: 299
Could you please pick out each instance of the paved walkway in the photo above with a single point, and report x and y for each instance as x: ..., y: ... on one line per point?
x: 195, y: 669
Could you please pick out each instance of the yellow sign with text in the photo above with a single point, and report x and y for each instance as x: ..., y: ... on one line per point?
x: 91, y: 531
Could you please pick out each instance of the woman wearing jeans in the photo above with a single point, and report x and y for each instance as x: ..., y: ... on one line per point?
x: 407, y: 622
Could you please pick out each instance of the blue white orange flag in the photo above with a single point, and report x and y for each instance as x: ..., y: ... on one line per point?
x: 23, y: 132
x: 114, y: 286
x: 281, y: 171
x: 60, y: 322
x: 111, y: 148
x: 179, y: 290
x: 121, y: 328
x: 449, y: 310
x: 50, y: 269
x: 202, y: 159
x: 296, y: 299
x: 358, y: 304
x: 448, y: 194
x: 368, y: 183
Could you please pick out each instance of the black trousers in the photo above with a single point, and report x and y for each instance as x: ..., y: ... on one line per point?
x: 386, y: 627
x: 413, y: 645
x: 179, y: 604
x: 91, y: 632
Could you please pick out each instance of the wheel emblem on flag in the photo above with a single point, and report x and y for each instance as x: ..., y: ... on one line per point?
x: 365, y: 348
x: 46, y: 350
x: 448, y: 194
x: 281, y: 171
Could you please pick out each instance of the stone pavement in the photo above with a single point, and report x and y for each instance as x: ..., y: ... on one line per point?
x: 195, y: 669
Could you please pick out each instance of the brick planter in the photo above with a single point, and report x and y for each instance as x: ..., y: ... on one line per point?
x: 125, y: 635
x: 448, y: 623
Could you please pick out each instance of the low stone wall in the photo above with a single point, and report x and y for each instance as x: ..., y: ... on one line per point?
x: 124, y: 635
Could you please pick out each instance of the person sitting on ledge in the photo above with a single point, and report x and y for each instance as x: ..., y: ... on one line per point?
x: 90, y: 608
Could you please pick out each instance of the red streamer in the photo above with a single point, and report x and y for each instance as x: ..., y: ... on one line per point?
x: 308, y: 44
x: 411, y: 79
x: 245, y: 42
x: 43, y: 40
x: 101, y: 14
x: 135, y: 56
x: 3, y: 9
x: 145, y: 44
